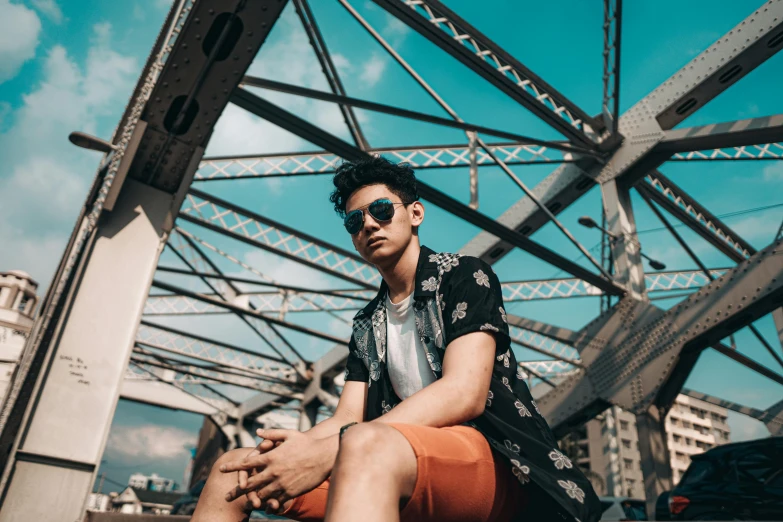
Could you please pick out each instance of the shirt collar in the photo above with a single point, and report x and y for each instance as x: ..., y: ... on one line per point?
x: 426, y: 268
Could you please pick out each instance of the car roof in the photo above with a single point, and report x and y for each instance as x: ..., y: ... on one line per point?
x: 738, y: 447
x: 619, y: 499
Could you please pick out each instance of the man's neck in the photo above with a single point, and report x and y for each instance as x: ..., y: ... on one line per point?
x: 400, y: 276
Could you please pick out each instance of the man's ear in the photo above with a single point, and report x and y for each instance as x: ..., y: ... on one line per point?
x: 417, y: 213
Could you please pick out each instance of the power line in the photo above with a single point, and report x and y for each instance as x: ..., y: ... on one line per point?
x: 732, y: 214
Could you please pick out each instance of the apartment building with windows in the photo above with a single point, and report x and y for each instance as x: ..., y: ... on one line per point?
x: 609, y: 444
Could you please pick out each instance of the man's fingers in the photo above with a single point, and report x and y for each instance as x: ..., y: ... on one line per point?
x: 248, y: 463
x: 275, y: 435
x: 252, y: 496
x: 273, y: 506
x: 242, y: 478
x: 234, y: 494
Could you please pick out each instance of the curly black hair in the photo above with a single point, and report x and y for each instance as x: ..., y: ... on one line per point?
x: 353, y: 175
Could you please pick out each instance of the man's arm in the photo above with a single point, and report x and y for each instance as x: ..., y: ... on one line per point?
x: 350, y: 408
x: 460, y: 394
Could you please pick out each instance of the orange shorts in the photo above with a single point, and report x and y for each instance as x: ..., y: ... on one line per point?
x: 459, y: 479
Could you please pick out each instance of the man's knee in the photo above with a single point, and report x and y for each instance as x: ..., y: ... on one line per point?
x: 230, y: 456
x: 364, y: 439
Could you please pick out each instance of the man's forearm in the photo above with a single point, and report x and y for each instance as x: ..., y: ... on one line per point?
x: 327, y: 427
x: 440, y: 404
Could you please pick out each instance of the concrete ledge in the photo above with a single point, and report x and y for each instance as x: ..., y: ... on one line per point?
x: 94, y: 516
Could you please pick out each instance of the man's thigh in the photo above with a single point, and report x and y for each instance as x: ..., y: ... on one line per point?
x: 459, y: 478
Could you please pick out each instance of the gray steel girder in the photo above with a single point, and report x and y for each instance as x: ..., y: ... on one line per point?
x: 436, y: 22
x: 732, y: 56
x: 636, y: 354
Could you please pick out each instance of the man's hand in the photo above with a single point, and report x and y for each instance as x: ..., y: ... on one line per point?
x: 296, y: 465
x: 252, y: 496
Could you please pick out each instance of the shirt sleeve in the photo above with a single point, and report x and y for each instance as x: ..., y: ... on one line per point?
x: 473, y: 301
x: 355, y: 369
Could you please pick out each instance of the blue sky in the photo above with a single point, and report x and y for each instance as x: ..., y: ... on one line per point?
x: 68, y: 66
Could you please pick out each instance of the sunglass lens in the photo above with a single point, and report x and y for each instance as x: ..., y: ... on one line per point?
x: 353, y: 221
x: 382, y: 209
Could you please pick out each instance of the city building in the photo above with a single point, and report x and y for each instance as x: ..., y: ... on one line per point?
x: 152, y: 482
x: 18, y: 303
x: 607, y: 447
x: 135, y: 501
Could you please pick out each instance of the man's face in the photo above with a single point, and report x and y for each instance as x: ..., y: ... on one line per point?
x: 379, y: 242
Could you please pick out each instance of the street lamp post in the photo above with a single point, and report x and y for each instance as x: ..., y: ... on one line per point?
x: 588, y: 222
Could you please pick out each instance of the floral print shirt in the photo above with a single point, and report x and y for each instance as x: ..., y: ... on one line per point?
x: 456, y: 295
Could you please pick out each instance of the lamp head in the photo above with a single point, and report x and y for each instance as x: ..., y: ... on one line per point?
x: 587, y: 221
x: 85, y: 141
x: 657, y: 265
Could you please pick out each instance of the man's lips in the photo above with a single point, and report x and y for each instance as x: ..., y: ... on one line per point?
x: 374, y: 240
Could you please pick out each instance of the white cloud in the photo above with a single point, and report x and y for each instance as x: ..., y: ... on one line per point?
x: 761, y: 228
x: 289, y: 59
x: 50, y: 9
x: 150, y: 442
x: 45, y: 178
x: 342, y: 63
x: 372, y: 70
x: 19, y: 30
x: 395, y: 30
x: 744, y: 428
x: 774, y: 172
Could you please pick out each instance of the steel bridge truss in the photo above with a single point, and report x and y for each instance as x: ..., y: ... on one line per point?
x: 152, y: 191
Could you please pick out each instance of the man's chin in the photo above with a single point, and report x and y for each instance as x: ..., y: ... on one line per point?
x: 379, y: 255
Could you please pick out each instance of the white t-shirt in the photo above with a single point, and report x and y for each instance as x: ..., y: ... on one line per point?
x: 406, y: 358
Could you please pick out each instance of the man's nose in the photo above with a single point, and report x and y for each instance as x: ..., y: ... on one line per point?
x: 369, y: 223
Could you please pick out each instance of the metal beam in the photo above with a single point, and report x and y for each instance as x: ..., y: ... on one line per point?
x: 272, y: 85
x: 253, y: 229
x: 447, y: 30
x: 438, y: 157
x: 610, y: 108
x: 741, y: 133
x: 192, y: 256
x: 707, y: 75
x: 163, y: 395
x: 194, y: 346
x: 352, y: 300
x: 695, y: 216
x: 296, y: 125
x: 330, y: 71
x: 213, y: 375
x: 764, y: 152
x: 158, y: 388
x: 246, y: 311
x: 639, y: 355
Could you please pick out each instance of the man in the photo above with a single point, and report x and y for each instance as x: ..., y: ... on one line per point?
x: 435, y: 422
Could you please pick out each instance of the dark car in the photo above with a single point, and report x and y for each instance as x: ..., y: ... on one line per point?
x: 662, y: 507
x: 741, y: 481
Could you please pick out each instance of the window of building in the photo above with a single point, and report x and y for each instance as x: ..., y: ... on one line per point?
x: 626, y: 444
x: 624, y: 425
x: 675, y: 421
x: 714, y: 416
x: 628, y: 463
x: 677, y: 438
x: 681, y: 456
x: 686, y: 424
x: 688, y: 441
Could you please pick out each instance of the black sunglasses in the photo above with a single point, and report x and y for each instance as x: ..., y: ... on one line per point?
x: 381, y: 210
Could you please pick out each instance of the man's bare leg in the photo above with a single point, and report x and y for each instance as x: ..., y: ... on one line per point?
x: 212, y: 505
x: 374, y: 475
